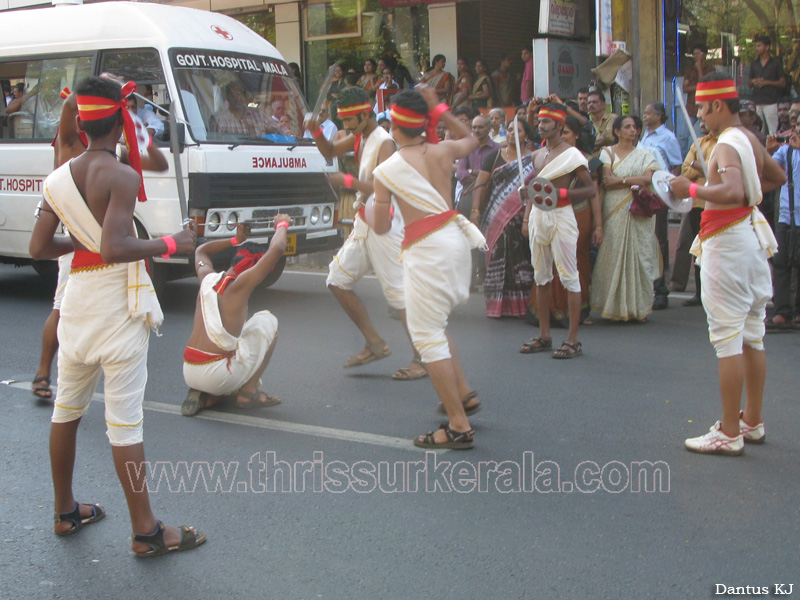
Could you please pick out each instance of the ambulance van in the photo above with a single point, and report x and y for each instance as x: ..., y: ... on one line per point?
x: 238, y: 120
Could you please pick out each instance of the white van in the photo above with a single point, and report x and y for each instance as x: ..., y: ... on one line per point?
x: 239, y: 108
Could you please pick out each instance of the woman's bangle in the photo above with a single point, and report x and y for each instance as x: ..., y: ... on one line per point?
x: 172, y: 247
x: 693, y: 190
x: 282, y: 224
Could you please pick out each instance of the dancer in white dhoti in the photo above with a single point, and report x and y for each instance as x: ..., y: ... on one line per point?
x: 732, y: 248
x: 363, y: 250
x: 226, y: 354
x: 70, y: 143
x: 553, y: 234
x: 436, y: 248
x: 108, y: 310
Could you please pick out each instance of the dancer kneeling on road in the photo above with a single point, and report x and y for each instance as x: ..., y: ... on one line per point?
x: 227, y: 353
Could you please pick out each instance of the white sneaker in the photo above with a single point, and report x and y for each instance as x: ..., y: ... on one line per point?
x: 716, y: 442
x: 753, y: 434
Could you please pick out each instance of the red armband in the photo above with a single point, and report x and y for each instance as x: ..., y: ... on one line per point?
x: 562, y: 193
x: 436, y: 113
x: 693, y: 190
x: 318, y: 133
x: 171, y: 246
x: 347, y: 181
x: 234, y: 241
x: 282, y: 224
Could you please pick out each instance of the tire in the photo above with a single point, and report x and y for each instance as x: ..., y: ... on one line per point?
x: 275, y: 274
x: 47, y: 270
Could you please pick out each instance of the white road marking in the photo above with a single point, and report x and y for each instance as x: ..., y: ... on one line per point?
x: 273, y: 424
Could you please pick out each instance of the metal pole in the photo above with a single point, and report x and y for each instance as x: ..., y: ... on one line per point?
x: 634, y: 50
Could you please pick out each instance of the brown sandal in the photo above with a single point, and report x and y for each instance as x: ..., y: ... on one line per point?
x: 535, y: 345
x: 456, y: 440
x: 475, y: 408
x: 568, y: 350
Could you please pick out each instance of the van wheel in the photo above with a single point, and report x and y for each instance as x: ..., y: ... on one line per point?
x: 275, y: 274
x: 158, y: 272
x: 47, y: 270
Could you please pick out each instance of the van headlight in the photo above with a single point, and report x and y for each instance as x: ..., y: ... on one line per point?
x: 327, y: 214
x: 314, y: 218
x: 233, y: 221
x: 213, y: 221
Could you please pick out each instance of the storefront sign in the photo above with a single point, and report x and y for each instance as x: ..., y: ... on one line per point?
x: 561, y: 67
x: 605, y: 31
x: 557, y: 17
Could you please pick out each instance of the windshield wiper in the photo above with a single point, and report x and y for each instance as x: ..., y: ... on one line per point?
x: 253, y: 139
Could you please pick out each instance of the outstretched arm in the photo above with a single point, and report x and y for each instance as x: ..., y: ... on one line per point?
x: 327, y: 149
x: 252, y: 277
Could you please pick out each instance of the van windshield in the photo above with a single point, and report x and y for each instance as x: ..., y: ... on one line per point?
x: 233, y: 98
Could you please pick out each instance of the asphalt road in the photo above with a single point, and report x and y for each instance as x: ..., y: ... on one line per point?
x: 559, y: 499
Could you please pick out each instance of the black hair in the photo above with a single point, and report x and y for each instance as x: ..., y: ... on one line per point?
x: 583, y: 142
x: 660, y: 110
x: 786, y: 100
x: 583, y: 90
x: 597, y: 93
x: 572, y: 104
x: 506, y: 56
x: 411, y: 100
x: 526, y: 128
x: 436, y: 59
x: 764, y: 39
x: 351, y: 96
x: 295, y: 68
x: 351, y: 79
x: 102, y: 88
x: 699, y: 46
x: 20, y: 86
x: 468, y: 111
x: 733, y: 103
x: 617, y: 126
x: 373, y: 62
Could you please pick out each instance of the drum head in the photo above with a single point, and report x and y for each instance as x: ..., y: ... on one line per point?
x: 542, y: 193
x: 661, y: 187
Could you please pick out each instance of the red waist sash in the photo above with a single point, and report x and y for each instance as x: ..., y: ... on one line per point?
x: 427, y: 225
x: 83, y: 259
x: 193, y: 356
x: 563, y: 202
x: 713, y: 222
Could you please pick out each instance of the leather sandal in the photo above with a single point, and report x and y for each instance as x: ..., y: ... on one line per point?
x: 456, y: 440
x: 189, y: 539
x: 377, y: 352
x: 475, y: 408
x: 74, y: 517
x: 535, y: 345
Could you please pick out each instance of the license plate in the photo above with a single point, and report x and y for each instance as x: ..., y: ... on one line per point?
x: 291, y: 244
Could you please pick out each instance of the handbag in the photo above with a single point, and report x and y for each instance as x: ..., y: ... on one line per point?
x: 645, y: 203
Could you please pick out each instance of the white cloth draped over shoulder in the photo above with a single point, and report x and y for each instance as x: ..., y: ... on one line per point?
x: 405, y: 183
x: 209, y: 304
x: 66, y: 200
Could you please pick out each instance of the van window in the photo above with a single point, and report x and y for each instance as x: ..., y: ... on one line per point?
x: 36, y: 113
x: 238, y: 98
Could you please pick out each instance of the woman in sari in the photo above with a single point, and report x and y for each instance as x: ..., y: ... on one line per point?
x: 439, y: 79
x: 586, y: 211
x: 370, y: 80
x: 481, y: 96
x: 509, y: 274
x: 629, y: 260
x: 463, y: 85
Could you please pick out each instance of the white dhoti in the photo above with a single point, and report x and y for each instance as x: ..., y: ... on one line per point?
x: 436, y: 263
x: 64, y: 263
x: 553, y: 234
x: 106, y: 315
x: 364, y: 251
x: 222, y: 374
x: 227, y: 374
x: 735, y: 274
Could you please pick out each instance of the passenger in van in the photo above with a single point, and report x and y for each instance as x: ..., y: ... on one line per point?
x: 238, y: 117
x: 103, y: 330
x: 151, y: 122
x: 226, y: 354
x: 364, y: 251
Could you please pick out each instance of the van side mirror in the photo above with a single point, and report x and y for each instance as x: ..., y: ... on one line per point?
x: 180, y: 138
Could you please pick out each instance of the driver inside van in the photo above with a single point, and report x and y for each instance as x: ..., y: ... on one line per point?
x: 238, y: 117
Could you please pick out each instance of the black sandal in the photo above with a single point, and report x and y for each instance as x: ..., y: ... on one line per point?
x: 40, y: 387
x: 475, y: 408
x: 568, y: 350
x: 535, y: 345
x: 74, y: 517
x: 456, y: 440
x: 189, y: 539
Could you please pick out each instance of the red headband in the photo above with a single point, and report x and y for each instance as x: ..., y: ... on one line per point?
x: 708, y: 91
x: 405, y: 117
x: 350, y: 111
x: 248, y: 260
x: 551, y: 113
x: 92, y: 108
